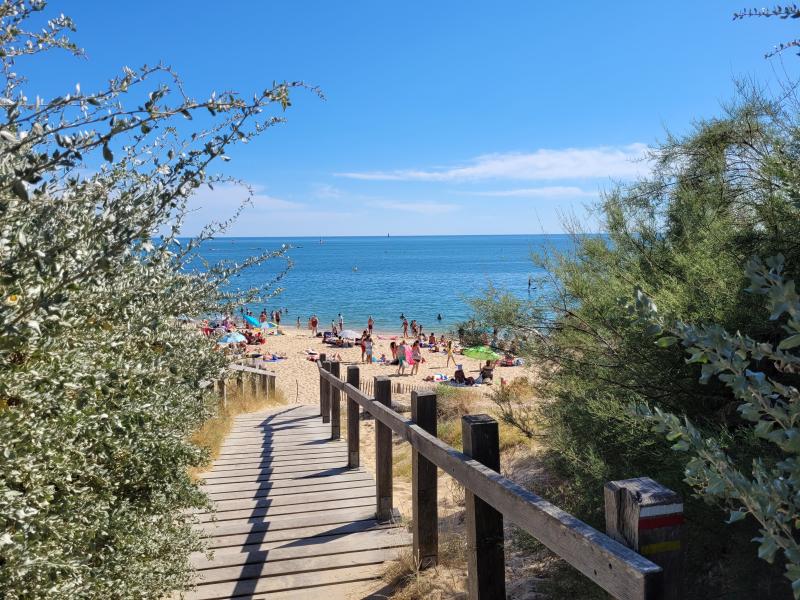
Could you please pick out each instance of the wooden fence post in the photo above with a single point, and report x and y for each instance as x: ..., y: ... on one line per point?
x: 271, y: 385
x: 424, y: 509
x: 264, y: 384
x: 648, y: 518
x: 321, y: 361
x: 335, y: 404
x: 383, y: 454
x: 485, y: 555
x: 240, y: 385
x: 325, y: 400
x: 223, y: 392
x: 253, y: 384
x: 353, y: 421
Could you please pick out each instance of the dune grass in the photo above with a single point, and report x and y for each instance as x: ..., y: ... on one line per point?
x: 213, y: 432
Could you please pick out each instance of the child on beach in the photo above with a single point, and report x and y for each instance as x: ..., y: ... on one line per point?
x: 416, y: 358
x: 368, y: 348
x: 401, y: 358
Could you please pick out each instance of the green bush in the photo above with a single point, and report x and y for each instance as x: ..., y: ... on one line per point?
x: 99, y: 380
x: 727, y: 191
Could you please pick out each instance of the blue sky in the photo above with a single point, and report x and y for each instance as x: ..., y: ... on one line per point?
x: 440, y: 117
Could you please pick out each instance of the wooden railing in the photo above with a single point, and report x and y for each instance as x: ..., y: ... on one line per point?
x: 640, y: 513
x: 256, y: 378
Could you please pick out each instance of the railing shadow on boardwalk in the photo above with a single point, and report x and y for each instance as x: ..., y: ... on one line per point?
x: 292, y: 520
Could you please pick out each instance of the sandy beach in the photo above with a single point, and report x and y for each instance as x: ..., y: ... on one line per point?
x: 298, y: 380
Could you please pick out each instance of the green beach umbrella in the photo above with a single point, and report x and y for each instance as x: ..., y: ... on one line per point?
x: 481, y: 353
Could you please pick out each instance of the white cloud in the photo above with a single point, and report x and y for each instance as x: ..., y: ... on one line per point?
x: 326, y: 191
x: 227, y: 197
x: 422, y: 208
x: 543, y: 164
x: 553, y: 191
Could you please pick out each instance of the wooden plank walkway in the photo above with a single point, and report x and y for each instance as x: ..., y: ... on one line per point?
x: 291, y: 521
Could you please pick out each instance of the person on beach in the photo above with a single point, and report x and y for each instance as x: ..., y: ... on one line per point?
x: 341, y: 322
x: 314, y: 322
x: 262, y: 318
x: 278, y: 319
x: 401, y: 358
x: 370, y: 324
x: 416, y: 358
x: 487, y: 372
x: 414, y: 329
x: 368, y: 348
x: 364, y: 336
x: 298, y: 323
x: 393, y: 350
x: 405, y: 327
x: 450, y: 353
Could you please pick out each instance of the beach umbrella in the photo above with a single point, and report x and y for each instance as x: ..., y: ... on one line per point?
x: 268, y: 325
x: 252, y: 320
x: 481, y: 353
x: 349, y: 334
x: 232, y: 338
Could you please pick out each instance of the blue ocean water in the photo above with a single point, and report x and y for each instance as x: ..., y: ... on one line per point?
x: 385, y: 277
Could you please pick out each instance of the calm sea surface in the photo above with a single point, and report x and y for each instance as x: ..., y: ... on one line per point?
x: 420, y: 277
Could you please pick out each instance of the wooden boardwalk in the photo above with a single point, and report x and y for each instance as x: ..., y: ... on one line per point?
x: 292, y: 520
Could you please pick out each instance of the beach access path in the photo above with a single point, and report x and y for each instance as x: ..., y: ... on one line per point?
x: 291, y: 520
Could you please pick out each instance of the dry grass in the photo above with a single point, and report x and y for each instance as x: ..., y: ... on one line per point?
x: 213, y: 432
x: 446, y: 580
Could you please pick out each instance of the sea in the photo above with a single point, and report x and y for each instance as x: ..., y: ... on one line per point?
x: 427, y: 278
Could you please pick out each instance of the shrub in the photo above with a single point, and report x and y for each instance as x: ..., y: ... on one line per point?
x: 100, y: 387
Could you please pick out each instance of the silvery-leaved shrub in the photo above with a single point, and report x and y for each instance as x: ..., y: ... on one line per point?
x: 99, y: 380
x: 762, y: 375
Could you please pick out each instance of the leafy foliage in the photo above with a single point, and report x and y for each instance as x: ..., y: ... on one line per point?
x: 728, y: 190
x: 100, y: 387
x: 769, y: 490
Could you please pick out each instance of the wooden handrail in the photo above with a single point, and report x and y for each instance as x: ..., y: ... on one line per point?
x: 617, y: 569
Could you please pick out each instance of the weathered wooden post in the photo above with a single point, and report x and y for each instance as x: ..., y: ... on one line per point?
x: 424, y: 508
x: 223, y: 391
x: 322, y: 390
x: 271, y: 384
x: 325, y: 400
x: 240, y: 385
x: 353, y: 421
x: 262, y: 377
x: 485, y: 554
x: 383, y: 454
x: 335, y: 404
x: 253, y: 384
x: 648, y: 518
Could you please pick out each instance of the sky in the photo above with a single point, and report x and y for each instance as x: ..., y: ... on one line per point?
x: 447, y: 117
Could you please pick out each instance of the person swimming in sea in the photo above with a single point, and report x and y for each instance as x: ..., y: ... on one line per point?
x: 439, y: 317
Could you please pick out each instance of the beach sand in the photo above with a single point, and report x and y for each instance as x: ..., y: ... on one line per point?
x: 297, y: 376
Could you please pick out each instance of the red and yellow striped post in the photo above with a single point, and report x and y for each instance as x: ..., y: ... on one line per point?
x: 648, y: 518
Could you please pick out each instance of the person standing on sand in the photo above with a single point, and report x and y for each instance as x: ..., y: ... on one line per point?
x: 370, y: 323
x: 298, y: 323
x: 314, y: 324
x: 405, y: 327
x: 416, y: 358
x: 368, y: 346
x: 450, y: 353
x: 401, y: 358
x: 341, y: 322
x: 363, y: 345
x: 278, y: 318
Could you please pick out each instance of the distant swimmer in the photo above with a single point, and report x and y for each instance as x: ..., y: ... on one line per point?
x: 530, y: 281
x: 402, y: 316
x: 439, y: 317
